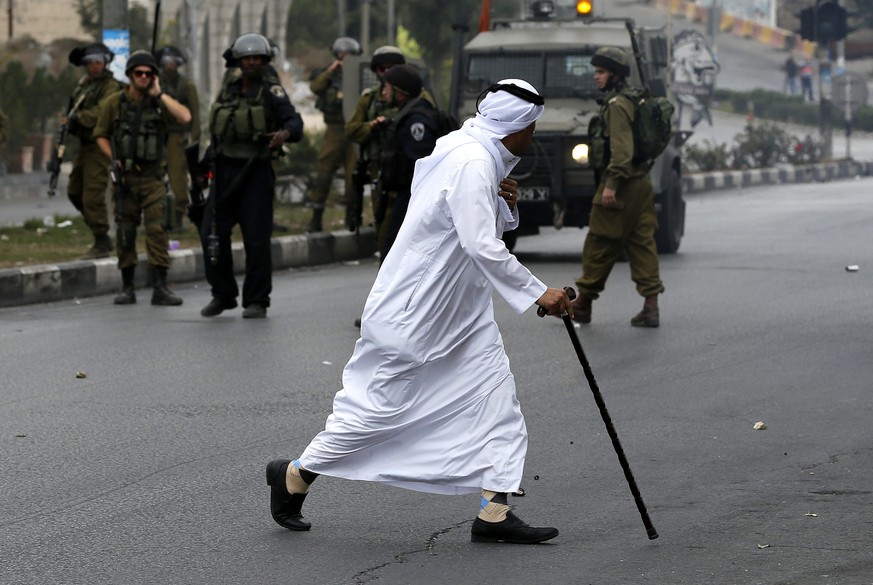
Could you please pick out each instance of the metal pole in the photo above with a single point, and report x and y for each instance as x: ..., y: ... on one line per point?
x: 392, y: 26
x: 365, y: 26
x: 341, y: 18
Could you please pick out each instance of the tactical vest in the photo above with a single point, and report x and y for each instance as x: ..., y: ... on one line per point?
x: 330, y: 101
x: 140, y: 133
x: 598, y: 143
x: 372, y: 149
x: 239, y: 123
x: 179, y: 92
x: 93, y: 90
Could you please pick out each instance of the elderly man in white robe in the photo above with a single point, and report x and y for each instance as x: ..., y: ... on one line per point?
x: 428, y: 400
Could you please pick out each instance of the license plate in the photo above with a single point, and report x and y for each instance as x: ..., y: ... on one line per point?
x: 533, y: 193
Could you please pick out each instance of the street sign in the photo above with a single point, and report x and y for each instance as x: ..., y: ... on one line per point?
x: 849, y: 89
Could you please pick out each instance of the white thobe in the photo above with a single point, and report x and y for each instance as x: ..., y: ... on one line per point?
x: 428, y: 400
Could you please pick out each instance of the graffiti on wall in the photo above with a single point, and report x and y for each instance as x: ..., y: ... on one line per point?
x: 693, y: 73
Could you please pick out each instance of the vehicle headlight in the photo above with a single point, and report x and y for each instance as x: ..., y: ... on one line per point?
x: 580, y: 154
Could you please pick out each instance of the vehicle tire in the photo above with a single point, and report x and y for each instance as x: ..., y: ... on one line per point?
x: 671, y: 217
x: 510, y: 238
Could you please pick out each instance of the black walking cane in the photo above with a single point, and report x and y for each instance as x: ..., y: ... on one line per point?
x: 601, y: 405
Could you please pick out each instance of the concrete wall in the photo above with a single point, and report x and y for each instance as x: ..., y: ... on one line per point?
x: 44, y: 20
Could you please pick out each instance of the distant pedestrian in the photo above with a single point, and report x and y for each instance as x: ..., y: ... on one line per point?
x: 790, y: 75
x: 806, y: 80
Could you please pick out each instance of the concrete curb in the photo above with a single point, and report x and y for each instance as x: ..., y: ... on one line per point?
x: 83, y: 278
x: 774, y: 176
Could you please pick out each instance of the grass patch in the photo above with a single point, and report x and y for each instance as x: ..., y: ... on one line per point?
x: 68, y: 238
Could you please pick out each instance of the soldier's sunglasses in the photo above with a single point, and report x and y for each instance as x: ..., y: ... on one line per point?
x: 143, y: 73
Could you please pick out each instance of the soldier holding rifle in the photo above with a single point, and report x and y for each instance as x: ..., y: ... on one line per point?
x: 89, y: 178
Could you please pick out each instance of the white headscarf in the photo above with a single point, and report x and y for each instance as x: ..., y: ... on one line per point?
x: 501, y: 113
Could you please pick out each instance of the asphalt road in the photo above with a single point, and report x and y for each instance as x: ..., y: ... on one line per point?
x: 151, y: 468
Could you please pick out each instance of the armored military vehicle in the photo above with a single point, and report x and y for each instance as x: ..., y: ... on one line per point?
x: 553, y: 52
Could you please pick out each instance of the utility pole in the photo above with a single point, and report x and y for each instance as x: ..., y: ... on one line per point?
x: 11, y: 4
x: 341, y: 18
x: 365, y: 26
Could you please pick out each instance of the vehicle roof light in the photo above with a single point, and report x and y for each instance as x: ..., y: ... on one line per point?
x: 543, y: 8
x: 584, y: 8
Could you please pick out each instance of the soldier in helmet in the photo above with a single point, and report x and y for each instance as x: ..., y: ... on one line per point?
x: 89, y: 178
x: 336, y: 150
x: 251, y: 119
x: 132, y: 130
x: 184, y: 91
x: 623, y: 213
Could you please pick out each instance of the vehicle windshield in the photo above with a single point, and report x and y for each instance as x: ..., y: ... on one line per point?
x: 564, y: 74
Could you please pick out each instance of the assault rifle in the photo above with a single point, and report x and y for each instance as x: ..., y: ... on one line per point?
x: 200, y: 172
x: 355, y: 206
x: 124, y: 237
x: 54, y: 165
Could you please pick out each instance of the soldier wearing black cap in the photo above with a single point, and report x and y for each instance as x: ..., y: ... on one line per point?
x: 410, y: 135
x: 372, y: 114
x: 623, y: 216
x: 136, y: 121
x: 184, y: 90
x: 89, y: 178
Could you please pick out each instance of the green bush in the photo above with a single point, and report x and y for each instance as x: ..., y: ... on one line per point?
x: 773, y: 105
x: 757, y: 146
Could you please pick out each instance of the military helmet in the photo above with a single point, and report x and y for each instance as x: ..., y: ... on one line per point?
x: 170, y: 53
x: 612, y: 59
x: 139, y: 59
x: 80, y: 55
x: 251, y: 45
x: 345, y: 45
x: 387, y: 55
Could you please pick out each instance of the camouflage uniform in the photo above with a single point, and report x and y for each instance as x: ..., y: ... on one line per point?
x: 629, y: 225
x: 179, y: 136
x: 89, y: 178
x: 137, y: 124
x: 336, y: 150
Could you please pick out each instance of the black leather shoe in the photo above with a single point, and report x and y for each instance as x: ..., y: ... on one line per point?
x: 512, y: 530
x: 217, y: 306
x: 284, y: 507
x: 255, y: 311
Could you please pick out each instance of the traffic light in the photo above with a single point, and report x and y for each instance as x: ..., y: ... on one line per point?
x: 830, y: 19
x: 823, y: 23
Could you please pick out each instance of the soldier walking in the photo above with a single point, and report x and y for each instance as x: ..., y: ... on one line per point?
x: 89, y: 178
x: 623, y: 213
x: 336, y: 150
x: 251, y: 120
x: 133, y: 124
x: 183, y: 90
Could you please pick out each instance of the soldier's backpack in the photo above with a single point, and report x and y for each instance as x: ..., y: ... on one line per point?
x: 652, y: 124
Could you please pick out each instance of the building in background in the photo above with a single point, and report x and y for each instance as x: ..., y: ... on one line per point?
x: 44, y: 20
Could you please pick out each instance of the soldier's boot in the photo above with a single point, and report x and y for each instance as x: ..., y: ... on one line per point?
x: 177, y: 224
x: 649, y: 316
x: 127, y: 296
x: 161, y: 294
x: 100, y: 249
x: 314, y: 226
x: 582, y: 309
